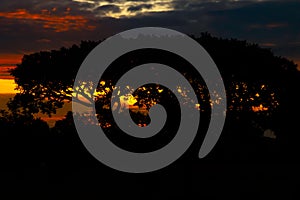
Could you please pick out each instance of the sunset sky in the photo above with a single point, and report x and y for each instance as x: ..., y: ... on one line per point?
x: 28, y: 26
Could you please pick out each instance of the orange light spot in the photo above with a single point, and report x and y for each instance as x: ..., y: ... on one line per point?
x: 259, y: 108
x: 102, y: 83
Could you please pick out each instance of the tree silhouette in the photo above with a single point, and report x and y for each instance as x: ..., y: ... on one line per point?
x: 45, y: 79
x: 261, y: 87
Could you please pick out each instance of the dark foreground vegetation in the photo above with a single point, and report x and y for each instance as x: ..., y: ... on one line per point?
x: 258, y: 149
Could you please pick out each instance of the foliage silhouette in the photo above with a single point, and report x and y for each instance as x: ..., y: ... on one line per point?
x: 261, y: 88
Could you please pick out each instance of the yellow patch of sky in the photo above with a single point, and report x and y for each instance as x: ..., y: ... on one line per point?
x: 7, y: 86
x: 156, y: 6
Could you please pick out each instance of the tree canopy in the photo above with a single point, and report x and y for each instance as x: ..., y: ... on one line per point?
x: 251, y: 74
x: 45, y: 79
x: 262, y: 93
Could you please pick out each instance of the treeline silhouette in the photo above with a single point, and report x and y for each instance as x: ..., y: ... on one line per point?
x: 262, y: 91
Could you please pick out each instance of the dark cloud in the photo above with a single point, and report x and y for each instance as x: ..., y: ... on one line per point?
x: 86, y: 5
x: 34, y: 5
x: 208, y: 5
x: 119, y: 1
x: 141, y: 0
x: 139, y: 7
x: 266, y: 22
x: 108, y: 8
x: 273, y: 24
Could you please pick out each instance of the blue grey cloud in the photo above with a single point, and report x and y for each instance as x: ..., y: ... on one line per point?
x: 139, y: 7
x: 107, y: 8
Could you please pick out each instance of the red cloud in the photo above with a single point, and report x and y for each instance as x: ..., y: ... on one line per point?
x: 10, y: 59
x: 56, y: 23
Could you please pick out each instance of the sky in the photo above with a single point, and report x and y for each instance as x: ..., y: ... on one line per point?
x: 28, y: 26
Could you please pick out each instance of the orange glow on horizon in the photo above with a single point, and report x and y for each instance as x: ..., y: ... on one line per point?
x: 57, y: 23
x: 8, y: 62
x: 298, y: 63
